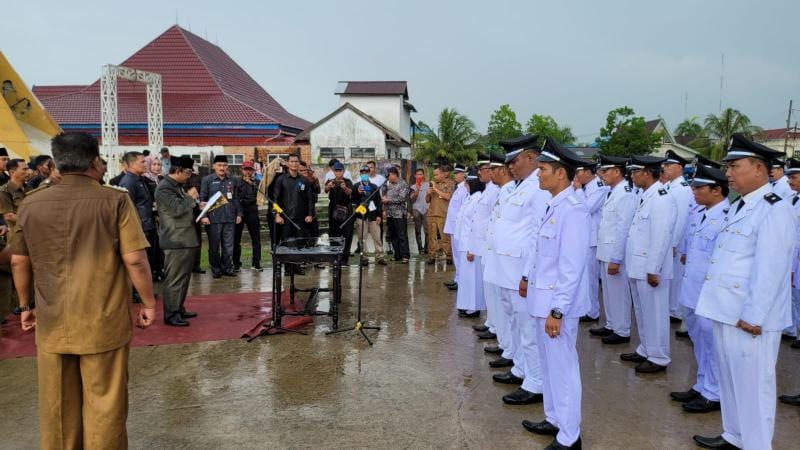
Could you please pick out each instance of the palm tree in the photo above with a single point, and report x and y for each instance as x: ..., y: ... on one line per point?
x: 454, y: 140
x: 722, y: 127
x: 689, y: 127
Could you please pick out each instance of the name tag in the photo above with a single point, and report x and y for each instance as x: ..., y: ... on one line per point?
x: 229, y: 195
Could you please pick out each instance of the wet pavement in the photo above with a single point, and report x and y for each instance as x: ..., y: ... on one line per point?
x: 424, y: 384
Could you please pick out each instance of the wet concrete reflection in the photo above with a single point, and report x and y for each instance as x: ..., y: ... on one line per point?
x: 424, y: 384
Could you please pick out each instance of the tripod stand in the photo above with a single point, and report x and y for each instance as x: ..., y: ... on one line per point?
x: 362, y: 211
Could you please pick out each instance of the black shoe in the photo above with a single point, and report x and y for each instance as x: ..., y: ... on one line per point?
x: 216, y: 275
x: 501, y: 362
x: 237, y: 269
x: 471, y: 315
x: 543, y: 427
x: 480, y: 328
x: 601, y: 331
x: 176, y: 322
x: 507, y: 378
x: 229, y: 274
x: 449, y: 283
x: 493, y: 349
x: 673, y: 319
x: 684, y: 397
x: 793, y: 400
x: 555, y: 445
x: 453, y: 287
x: 714, y: 442
x: 487, y: 335
x: 522, y: 397
x: 795, y: 344
x: 615, y: 339
x: 188, y: 315
x: 256, y: 268
x: 586, y: 318
x: 632, y: 357
x: 787, y: 337
x: 198, y: 270
x: 681, y: 334
x: 701, y: 405
x: 650, y: 367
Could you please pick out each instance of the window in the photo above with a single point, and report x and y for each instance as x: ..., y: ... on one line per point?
x: 331, y: 152
x: 197, y: 158
x: 271, y: 158
x: 235, y: 160
x: 362, y: 152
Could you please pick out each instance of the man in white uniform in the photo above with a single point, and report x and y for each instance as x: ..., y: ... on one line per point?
x: 677, y: 186
x: 508, y: 265
x: 456, y: 200
x: 592, y: 193
x: 558, y: 296
x: 648, y: 255
x: 780, y: 183
x: 616, y: 216
x: 793, y: 173
x: 746, y: 295
x: 710, y: 188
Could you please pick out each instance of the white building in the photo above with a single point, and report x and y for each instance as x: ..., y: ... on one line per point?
x: 668, y: 141
x: 373, y: 121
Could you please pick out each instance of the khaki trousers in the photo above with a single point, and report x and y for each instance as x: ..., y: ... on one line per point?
x: 373, y: 231
x: 436, y: 237
x: 83, y: 400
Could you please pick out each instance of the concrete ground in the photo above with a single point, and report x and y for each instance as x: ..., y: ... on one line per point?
x: 424, y: 384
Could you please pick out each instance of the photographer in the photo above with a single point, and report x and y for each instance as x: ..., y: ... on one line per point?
x: 340, y: 194
x: 372, y: 219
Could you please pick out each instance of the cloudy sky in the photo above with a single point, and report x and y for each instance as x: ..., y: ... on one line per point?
x: 574, y: 60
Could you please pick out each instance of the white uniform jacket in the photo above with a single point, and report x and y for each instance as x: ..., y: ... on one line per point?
x: 558, y: 279
x: 464, y: 224
x: 649, y: 246
x: 456, y: 200
x: 515, y: 228
x: 795, y: 201
x: 684, y: 201
x: 593, y: 195
x: 701, y: 238
x: 476, y: 242
x: 748, y: 278
x: 782, y: 188
x: 616, y: 216
x: 492, y: 236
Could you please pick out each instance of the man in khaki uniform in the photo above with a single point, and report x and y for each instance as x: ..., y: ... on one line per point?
x: 82, y: 316
x: 439, y: 197
x: 12, y: 194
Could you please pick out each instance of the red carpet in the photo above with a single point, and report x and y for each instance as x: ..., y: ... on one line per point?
x: 219, y: 317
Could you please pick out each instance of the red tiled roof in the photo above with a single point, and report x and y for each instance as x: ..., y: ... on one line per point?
x: 376, y: 88
x: 780, y: 133
x: 651, y: 125
x: 201, y: 84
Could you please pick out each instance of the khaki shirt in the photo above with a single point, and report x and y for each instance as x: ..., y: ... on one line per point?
x: 75, y: 234
x: 11, y: 196
x: 438, y: 206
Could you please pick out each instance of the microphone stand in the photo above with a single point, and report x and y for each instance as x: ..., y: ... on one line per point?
x: 362, y: 210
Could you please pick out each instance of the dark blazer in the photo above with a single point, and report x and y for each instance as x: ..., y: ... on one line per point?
x: 142, y: 200
x: 176, y: 227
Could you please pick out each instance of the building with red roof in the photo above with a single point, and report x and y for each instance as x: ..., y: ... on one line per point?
x: 208, y: 100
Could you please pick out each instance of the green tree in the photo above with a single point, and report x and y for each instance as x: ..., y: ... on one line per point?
x: 543, y: 125
x: 689, y: 127
x: 453, y: 141
x: 720, y: 128
x: 625, y: 134
x: 502, y: 125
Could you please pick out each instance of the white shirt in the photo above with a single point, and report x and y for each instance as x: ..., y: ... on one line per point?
x: 649, y: 246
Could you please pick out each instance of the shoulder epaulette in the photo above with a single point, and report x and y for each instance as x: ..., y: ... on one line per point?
x: 683, y: 183
x: 725, y: 211
x: 599, y: 183
x: 628, y: 189
x: 772, y: 198
x: 116, y: 188
x: 573, y: 200
x: 662, y: 192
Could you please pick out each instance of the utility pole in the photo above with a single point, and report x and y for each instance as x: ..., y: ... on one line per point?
x: 788, y: 128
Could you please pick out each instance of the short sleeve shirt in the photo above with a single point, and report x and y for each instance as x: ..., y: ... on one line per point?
x: 11, y: 197
x: 438, y: 205
x: 75, y: 234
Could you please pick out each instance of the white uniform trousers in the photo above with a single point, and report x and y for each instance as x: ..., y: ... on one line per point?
x: 616, y: 300
x: 470, y: 284
x: 592, y: 271
x: 747, y: 385
x: 675, y: 287
x: 561, y: 383
x: 527, y: 354
x: 702, y: 334
x: 651, y: 305
x: 454, y: 245
x: 495, y: 317
x: 506, y: 297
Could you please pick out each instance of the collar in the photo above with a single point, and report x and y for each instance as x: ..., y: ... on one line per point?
x: 558, y: 198
x: 760, y: 192
x: 78, y: 179
x: 678, y: 180
x: 653, y: 189
x: 716, y: 209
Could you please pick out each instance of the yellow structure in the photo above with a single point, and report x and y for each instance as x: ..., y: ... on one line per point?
x: 25, y: 126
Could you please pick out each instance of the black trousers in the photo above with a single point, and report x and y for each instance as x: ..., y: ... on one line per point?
x: 253, y: 223
x: 346, y: 232
x: 398, y: 235
x: 155, y: 256
x: 177, y: 275
x: 198, y: 230
x: 220, y: 237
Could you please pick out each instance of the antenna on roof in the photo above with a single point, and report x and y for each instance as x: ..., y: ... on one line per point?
x: 189, y: 20
x: 721, y: 81
x: 205, y: 34
x: 176, y: 16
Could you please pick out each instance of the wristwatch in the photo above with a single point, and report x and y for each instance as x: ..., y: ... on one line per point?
x: 29, y: 307
x: 556, y: 313
x: 524, y: 278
